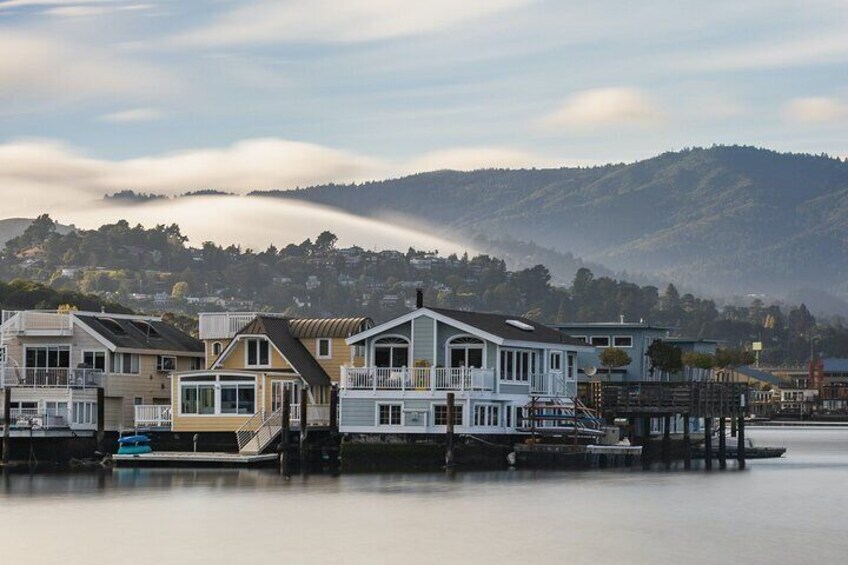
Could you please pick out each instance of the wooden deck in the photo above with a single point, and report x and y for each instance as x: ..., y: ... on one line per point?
x: 174, y: 458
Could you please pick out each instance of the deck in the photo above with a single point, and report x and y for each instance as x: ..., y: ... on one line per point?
x: 176, y: 458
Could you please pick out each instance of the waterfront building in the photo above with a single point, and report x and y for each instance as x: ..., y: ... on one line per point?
x: 52, y: 362
x: 495, y: 365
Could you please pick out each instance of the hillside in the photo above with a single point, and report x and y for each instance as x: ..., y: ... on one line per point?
x: 11, y: 228
x: 724, y: 219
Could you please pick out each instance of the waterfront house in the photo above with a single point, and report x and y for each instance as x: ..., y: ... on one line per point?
x: 495, y: 365
x: 251, y: 359
x: 52, y: 362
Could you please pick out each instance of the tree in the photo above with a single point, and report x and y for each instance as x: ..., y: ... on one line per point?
x: 699, y: 360
x: 326, y: 241
x: 180, y: 290
x: 731, y: 357
x: 664, y: 356
x: 613, y: 358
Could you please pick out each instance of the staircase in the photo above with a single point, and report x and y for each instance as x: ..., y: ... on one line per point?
x: 560, y: 415
x: 259, y: 431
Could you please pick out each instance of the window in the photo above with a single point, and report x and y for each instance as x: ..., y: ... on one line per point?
x: 391, y: 352
x: 466, y: 352
x: 623, y: 341
x: 84, y: 413
x: 580, y: 338
x: 517, y: 364
x: 94, y: 359
x: 389, y: 414
x: 2, y: 353
x: 113, y: 326
x: 138, y: 401
x: 197, y: 398
x: 125, y: 363
x: 277, y: 388
x: 196, y: 364
x: 166, y: 363
x: 238, y: 398
x: 556, y: 361
x: 257, y: 352
x: 600, y: 340
x: 508, y: 416
x: 237, y: 395
x: 59, y: 409
x: 217, y: 348
x: 440, y: 415
x: 48, y: 357
x: 322, y: 348
x: 570, y: 366
x: 487, y: 415
x: 146, y: 328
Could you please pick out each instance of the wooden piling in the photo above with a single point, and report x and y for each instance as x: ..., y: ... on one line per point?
x: 7, y: 421
x: 687, y: 444
x: 733, y: 425
x: 334, y: 410
x: 285, y: 428
x: 449, y: 455
x: 101, y: 418
x: 708, y: 443
x: 722, y: 443
x: 646, y: 441
x: 740, y: 450
x: 666, y: 443
x: 304, y: 425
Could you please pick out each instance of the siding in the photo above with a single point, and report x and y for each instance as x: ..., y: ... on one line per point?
x: 422, y: 347
x: 236, y: 358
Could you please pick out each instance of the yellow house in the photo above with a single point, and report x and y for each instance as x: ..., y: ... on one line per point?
x: 242, y: 389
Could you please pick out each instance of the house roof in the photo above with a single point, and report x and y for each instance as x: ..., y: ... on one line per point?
x: 279, y: 332
x: 835, y: 365
x: 328, y: 327
x: 609, y: 326
x: 141, y: 333
x: 497, y: 324
x: 763, y: 376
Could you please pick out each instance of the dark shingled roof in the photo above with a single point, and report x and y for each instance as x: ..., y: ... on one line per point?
x: 328, y: 327
x: 496, y: 324
x: 279, y: 331
x: 141, y: 334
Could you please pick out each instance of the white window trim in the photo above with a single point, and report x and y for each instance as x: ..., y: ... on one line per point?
x: 533, y: 354
x: 609, y: 341
x: 455, y: 406
x: 220, y: 347
x: 482, y: 346
x: 160, y: 358
x: 374, y: 344
x: 105, y: 353
x: 25, y: 346
x: 558, y: 354
x: 488, y: 405
x: 617, y: 337
x: 246, y: 340
x: 329, y: 354
x: 377, y: 415
x: 216, y: 383
x: 121, y: 372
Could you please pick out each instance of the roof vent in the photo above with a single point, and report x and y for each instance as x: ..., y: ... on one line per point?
x: 621, y: 319
x: 520, y: 325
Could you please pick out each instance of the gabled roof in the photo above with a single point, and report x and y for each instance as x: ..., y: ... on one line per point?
x: 279, y: 332
x: 140, y: 333
x: 498, y: 328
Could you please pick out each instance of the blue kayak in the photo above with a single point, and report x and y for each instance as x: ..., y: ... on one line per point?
x: 133, y: 440
x: 134, y: 449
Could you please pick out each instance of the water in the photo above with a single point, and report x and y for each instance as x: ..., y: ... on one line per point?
x: 791, y: 510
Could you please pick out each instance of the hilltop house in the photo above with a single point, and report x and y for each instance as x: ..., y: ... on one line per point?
x: 495, y: 365
x: 52, y: 362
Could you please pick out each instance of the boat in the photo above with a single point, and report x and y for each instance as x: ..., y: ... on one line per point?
x: 752, y: 451
x: 134, y: 445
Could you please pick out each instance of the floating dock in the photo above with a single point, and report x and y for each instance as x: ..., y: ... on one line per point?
x: 191, y: 458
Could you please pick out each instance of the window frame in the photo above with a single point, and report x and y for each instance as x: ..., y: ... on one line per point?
x: 555, y: 355
x: 391, y: 406
x: 95, y: 353
x: 216, y: 383
x: 459, y: 409
x: 490, y: 412
x: 135, y: 363
x: 318, y: 342
x: 160, y: 365
x: 523, y: 363
x: 258, y: 340
x: 606, y: 337
x: 618, y: 337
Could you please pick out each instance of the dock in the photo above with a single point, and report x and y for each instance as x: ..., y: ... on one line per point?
x: 563, y: 456
x: 191, y: 458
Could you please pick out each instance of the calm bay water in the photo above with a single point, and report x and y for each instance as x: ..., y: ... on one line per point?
x: 792, y: 510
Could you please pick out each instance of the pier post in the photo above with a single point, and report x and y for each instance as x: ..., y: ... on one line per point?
x: 722, y: 443
x: 687, y: 444
x: 449, y: 461
x: 7, y: 420
x: 708, y: 443
x: 304, y: 424
x: 285, y: 427
x: 740, y: 450
x: 666, y: 444
x: 646, y: 441
x: 733, y: 424
x: 101, y: 418
x: 334, y: 410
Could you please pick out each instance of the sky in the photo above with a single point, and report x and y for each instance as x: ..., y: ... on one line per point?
x: 171, y: 96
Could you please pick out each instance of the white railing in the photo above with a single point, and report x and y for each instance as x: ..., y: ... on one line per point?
x: 223, y: 325
x: 50, y: 377
x: 553, y: 383
x: 42, y: 322
x: 153, y: 416
x: 417, y: 378
x: 38, y: 419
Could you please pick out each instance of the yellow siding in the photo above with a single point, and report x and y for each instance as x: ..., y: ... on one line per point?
x: 211, y: 357
x: 236, y: 358
x: 340, y: 352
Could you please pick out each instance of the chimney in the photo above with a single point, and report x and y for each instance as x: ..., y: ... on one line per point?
x: 419, y: 298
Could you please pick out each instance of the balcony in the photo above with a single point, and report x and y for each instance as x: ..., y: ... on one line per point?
x: 153, y: 416
x: 37, y: 323
x: 420, y: 379
x: 223, y: 325
x: 53, y: 377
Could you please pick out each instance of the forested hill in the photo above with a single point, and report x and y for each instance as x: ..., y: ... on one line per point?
x: 727, y: 219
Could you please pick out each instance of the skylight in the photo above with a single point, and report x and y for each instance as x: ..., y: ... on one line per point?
x: 520, y: 325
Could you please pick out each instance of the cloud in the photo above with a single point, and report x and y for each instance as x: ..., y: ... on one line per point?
x: 606, y: 107
x: 815, y: 110
x: 340, y: 21
x: 132, y: 116
x: 39, y: 173
x: 52, y: 70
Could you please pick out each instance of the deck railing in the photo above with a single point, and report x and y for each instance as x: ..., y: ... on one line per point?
x: 44, y: 322
x: 418, y: 378
x: 223, y: 325
x: 153, y: 416
x: 50, y: 377
x: 37, y: 418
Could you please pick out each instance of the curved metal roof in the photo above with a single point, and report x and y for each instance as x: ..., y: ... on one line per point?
x: 302, y: 328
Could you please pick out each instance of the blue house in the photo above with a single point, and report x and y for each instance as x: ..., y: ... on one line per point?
x: 632, y: 337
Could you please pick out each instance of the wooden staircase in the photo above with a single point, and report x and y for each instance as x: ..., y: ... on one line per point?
x: 259, y: 431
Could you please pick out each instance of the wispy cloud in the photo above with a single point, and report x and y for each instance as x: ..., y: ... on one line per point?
x: 132, y: 116
x: 604, y: 107
x: 339, y: 21
x: 815, y: 110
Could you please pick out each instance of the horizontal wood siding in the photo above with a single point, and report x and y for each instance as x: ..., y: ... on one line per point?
x: 423, y: 334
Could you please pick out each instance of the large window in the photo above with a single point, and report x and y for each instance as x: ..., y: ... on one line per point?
x: 84, y: 413
x: 218, y: 395
x: 487, y: 415
x: 125, y: 363
x: 258, y: 352
x: 517, y: 364
x: 94, y: 359
x: 440, y: 415
x: 48, y: 357
x: 466, y: 352
x: 391, y: 352
x: 389, y: 414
